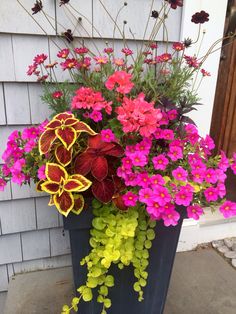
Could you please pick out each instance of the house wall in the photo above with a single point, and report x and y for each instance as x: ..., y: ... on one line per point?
x: 31, y: 233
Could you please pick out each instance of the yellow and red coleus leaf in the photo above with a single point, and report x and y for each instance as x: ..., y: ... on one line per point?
x: 84, y: 181
x: 72, y: 185
x: 78, y: 204
x: 63, y: 155
x: 64, y: 202
x: 45, y: 141
x: 54, y: 124
x: 83, y: 127
x: 55, y: 172
x: 50, y: 187
x: 63, y: 116
x: 51, y: 202
x: 67, y: 136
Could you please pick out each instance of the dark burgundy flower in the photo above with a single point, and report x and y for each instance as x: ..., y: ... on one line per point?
x: 187, y: 42
x: 63, y: 2
x: 175, y: 3
x: 68, y: 35
x: 155, y: 14
x: 38, y: 6
x: 200, y: 17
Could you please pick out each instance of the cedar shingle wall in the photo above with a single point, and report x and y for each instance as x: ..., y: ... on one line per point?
x: 31, y: 236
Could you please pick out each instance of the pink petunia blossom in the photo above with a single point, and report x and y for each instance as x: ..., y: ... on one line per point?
x: 160, y: 162
x: 184, y: 196
x: 170, y: 217
x: 172, y: 114
x: 211, y: 194
x: 130, y: 199
x: 161, y: 195
x: 228, y: 209
x: 221, y: 189
x: 153, y: 208
x: 198, y: 175
x: 168, y: 134
x: 18, y: 177
x: 180, y: 174
x: 156, y: 180
x: 194, y: 211
x: 224, y: 162
x: 175, y: 153
x: 138, y: 159
x: 3, y: 183
x: 108, y: 136
x: 143, y: 179
x: 41, y: 172
x: 210, y: 176
x: 145, y: 195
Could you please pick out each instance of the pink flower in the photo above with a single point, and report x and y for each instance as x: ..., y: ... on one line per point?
x: 224, y: 162
x: 194, y: 211
x: 122, y: 79
x: 84, y: 64
x: 130, y: 199
x: 57, y: 94
x: 41, y: 172
x: 233, y: 168
x: 170, y: 217
x: 101, y: 59
x: 198, y: 175
x: 19, y: 164
x: 108, y: 50
x: 154, y: 209
x: 138, y: 115
x: 184, y: 196
x: 165, y: 57
x: 18, y: 177
x: 5, y: 170
x: 161, y: 195
x: 39, y: 59
x: 143, y: 179
x: 95, y: 116
x: 205, y: 73
x: 119, y: 62
x: 108, y: 136
x: 221, y: 190
x: 138, y: 159
x: 168, y: 134
x: 3, y: 183
x: 144, y: 146
x: 156, y: 180
x: 228, y: 209
x: 210, y: 176
x: 63, y: 53
x: 81, y: 50
x: 30, y: 133
x: 29, y: 146
x: 191, y: 61
x: 178, y: 46
x: 126, y: 162
x: 172, y: 114
x: 69, y: 64
x: 127, y: 51
x: 180, y: 174
x: 32, y: 69
x: 160, y: 162
x: 175, y: 153
x: 211, y: 194
x: 145, y: 195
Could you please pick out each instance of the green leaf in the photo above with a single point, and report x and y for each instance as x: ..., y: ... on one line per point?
x: 109, y: 281
x: 137, y: 287
x: 150, y: 234
x: 107, y: 303
x: 87, y: 294
x: 98, y: 223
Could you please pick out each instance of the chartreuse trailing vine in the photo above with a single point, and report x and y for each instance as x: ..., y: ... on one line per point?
x: 117, y: 237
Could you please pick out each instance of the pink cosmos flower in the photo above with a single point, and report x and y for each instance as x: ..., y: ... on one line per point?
x: 161, y: 195
x: 119, y: 62
x: 211, y: 194
x: 130, y: 199
x: 191, y: 61
x: 205, y: 73
x: 108, y: 50
x: 57, y: 94
x: 101, y: 59
x: 84, y: 64
x: 178, y: 46
x: 145, y: 195
x: 170, y: 217
x: 122, y: 79
x: 63, y: 53
x: 108, y: 136
x: 127, y: 51
x: 180, y: 174
x: 32, y: 69
x: 69, y: 64
x: 160, y: 162
x: 3, y: 183
x: 39, y: 59
x: 138, y: 159
x: 184, y: 196
x: 41, y: 172
x: 194, y: 211
x: 81, y: 50
x: 95, y: 116
x: 165, y: 57
x: 138, y: 115
x: 228, y: 209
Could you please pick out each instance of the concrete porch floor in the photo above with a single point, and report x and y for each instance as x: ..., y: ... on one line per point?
x: 202, y: 283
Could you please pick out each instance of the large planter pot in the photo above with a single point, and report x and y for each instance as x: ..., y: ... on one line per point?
x: 124, y: 298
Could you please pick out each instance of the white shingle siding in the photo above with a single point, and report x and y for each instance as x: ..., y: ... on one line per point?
x: 60, y: 243
x: 10, y: 248
x: 7, y: 193
x: 7, y: 72
x: 2, y: 107
x: 17, y: 216
x: 35, y: 244
x: 3, y: 278
x: 47, y: 216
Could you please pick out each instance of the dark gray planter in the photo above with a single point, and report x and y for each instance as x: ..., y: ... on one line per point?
x: 124, y: 298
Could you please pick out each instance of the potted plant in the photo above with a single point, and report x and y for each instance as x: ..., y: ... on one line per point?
x: 123, y: 163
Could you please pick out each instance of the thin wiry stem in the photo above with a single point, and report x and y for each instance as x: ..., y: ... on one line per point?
x: 115, y: 25
x: 148, y: 20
